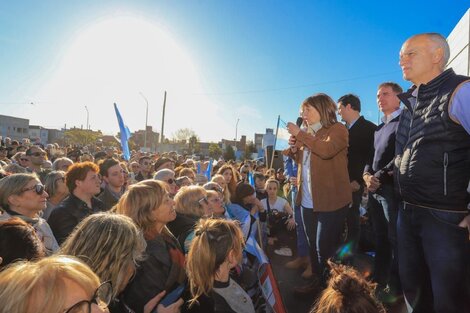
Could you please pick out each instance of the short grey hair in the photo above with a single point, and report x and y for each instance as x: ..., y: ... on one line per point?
x: 163, y: 173
x: 440, y: 42
x: 55, y: 165
x: 50, y: 181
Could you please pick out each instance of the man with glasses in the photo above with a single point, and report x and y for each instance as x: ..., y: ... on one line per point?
x: 83, y: 182
x: 145, y: 165
x: 37, y: 157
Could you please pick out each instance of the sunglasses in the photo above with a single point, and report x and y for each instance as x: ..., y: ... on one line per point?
x: 22, y: 159
x: 38, y: 188
x: 171, y: 181
x: 203, y: 200
x: 102, y: 297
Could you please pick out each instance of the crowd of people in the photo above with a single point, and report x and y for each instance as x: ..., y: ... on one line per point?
x: 84, y: 230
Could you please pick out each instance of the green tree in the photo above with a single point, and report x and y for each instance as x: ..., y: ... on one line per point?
x: 229, y: 153
x: 81, y: 136
x: 249, y: 149
x: 215, y: 151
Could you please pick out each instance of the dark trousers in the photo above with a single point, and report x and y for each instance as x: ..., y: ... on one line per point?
x: 433, y: 258
x: 383, y: 211
x: 353, y: 220
x: 323, y: 230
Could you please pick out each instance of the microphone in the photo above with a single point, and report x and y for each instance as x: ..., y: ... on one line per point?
x: 299, y: 121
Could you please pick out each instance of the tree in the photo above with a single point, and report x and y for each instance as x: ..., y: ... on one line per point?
x: 229, y: 153
x: 77, y: 136
x: 184, y: 134
x: 249, y: 149
x: 215, y: 151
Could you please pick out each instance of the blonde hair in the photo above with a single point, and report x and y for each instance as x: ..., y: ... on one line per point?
x: 186, y: 200
x: 226, y: 189
x: 325, y: 106
x: 214, y: 239
x: 14, y: 185
x: 271, y: 181
x: 36, y: 287
x: 347, y: 291
x: 110, y: 244
x: 140, y: 200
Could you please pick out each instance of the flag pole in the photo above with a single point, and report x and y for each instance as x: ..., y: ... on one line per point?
x: 275, y: 140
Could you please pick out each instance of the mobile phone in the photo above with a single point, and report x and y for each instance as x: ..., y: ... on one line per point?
x: 173, y: 296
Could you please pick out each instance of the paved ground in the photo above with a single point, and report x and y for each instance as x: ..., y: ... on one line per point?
x: 287, y: 279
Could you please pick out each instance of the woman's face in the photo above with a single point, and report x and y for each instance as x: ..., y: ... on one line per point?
x: 271, y: 189
x: 61, y: 187
x: 29, y: 201
x: 215, y: 204
x: 310, y: 115
x: 227, y: 174
x: 204, y: 203
x: 221, y: 182
x: 165, y: 213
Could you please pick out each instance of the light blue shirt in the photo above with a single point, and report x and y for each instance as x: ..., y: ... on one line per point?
x: 460, y: 107
x: 388, y: 118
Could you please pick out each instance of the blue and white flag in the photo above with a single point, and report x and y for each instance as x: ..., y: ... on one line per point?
x: 209, y: 170
x: 125, y: 135
x: 282, y: 139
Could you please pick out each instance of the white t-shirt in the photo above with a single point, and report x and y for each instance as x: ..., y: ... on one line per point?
x: 278, y: 205
x: 307, y: 201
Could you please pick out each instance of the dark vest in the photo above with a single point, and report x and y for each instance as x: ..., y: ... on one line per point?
x: 432, y: 166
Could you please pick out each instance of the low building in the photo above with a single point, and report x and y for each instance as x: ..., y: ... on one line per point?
x: 459, y: 40
x: 14, y: 127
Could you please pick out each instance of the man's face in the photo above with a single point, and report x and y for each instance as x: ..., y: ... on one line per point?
x: 387, y: 100
x: 91, y: 184
x: 145, y: 165
x: 37, y: 156
x: 343, y: 111
x: 420, y: 60
x: 115, y: 176
x: 259, y: 183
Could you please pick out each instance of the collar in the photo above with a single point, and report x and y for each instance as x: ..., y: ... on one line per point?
x: 388, y: 118
x: 314, y: 128
x: 349, y: 126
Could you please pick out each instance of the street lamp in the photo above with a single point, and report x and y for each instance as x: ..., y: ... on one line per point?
x: 146, y: 120
x: 87, y: 118
x: 236, y: 129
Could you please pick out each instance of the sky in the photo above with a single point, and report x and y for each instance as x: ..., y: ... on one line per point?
x: 219, y: 61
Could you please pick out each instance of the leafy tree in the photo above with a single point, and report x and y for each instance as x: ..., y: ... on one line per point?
x: 81, y: 137
x: 215, y: 151
x: 229, y: 153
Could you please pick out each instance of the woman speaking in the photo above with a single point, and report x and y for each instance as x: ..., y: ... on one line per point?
x: 320, y: 149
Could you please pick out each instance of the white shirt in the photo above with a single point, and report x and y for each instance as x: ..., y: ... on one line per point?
x: 278, y: 205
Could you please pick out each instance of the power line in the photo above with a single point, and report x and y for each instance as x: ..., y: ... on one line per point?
x: 294, y: 87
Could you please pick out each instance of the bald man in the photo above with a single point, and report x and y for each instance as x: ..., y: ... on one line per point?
x: 432, y: 172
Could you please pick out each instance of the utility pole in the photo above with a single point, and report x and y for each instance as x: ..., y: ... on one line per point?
x: 87, y: 118
x: 236, y: 129
x: 146, y: 120
x: 162, y: 137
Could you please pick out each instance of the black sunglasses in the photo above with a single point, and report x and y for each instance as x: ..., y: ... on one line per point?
x: 38, y: 154
x: 171, y: 181
x: 102, y: 297
x: 38, y: 188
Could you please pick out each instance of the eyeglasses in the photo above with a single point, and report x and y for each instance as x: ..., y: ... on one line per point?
x: 24, y: 159
x: 38, y: 188
x: 203, y: 200
x: 102, y: 297
x: 171, y: 181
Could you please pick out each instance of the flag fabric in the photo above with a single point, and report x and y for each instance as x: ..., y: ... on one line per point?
x: 251, y: 179
x: 282, y: 140
x: 209, y: 170
x: 125, y: 134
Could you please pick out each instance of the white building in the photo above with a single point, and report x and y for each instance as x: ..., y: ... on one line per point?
x: 459, y: 40
x: 14, y: 127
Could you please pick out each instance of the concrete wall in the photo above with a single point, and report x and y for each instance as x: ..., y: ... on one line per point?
x: 459, y: 40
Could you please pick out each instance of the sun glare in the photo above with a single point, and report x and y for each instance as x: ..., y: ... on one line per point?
x: 113, y: 61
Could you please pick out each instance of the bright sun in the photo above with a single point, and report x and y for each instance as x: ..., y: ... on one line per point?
x: 114, y: 60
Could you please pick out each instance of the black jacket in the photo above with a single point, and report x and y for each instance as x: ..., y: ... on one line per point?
x: 108, y: 199
x: 432, y: 166
x: 69, y: 213
x: 361, y: 142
